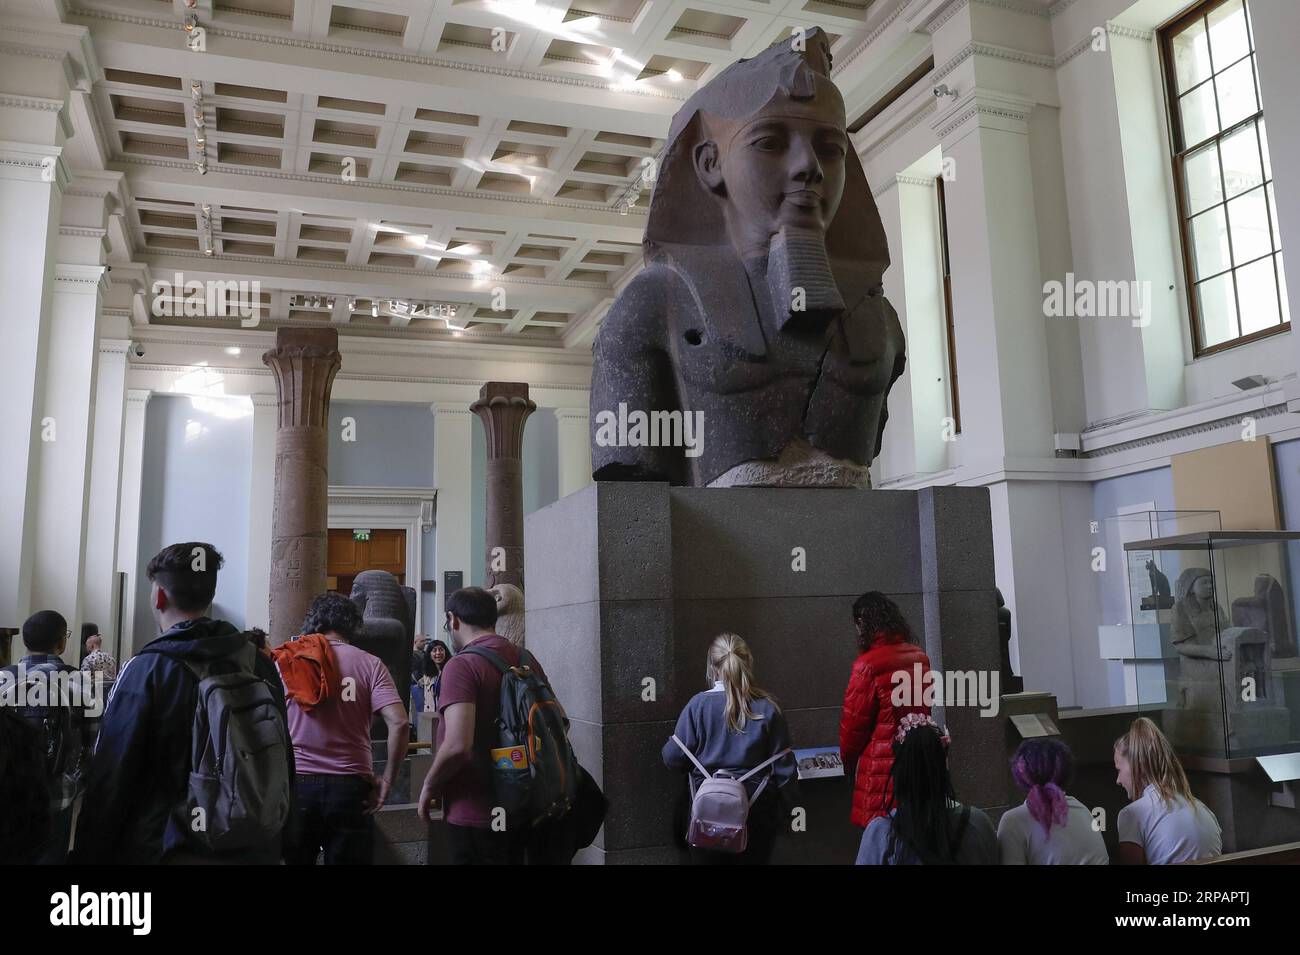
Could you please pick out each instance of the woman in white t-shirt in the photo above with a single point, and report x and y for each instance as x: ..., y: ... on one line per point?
x: 1049, y: 827
x: 1164, y: 823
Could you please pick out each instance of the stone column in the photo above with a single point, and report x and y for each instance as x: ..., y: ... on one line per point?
x: 100, y: 596
x: 574, y: 436
x: 32, y: 179
x: 453, y: 458
x: 1008, y: 415
x: 304, y: 362
x: 261, y: 512
x: 67, y: 430
x: 504, y: 407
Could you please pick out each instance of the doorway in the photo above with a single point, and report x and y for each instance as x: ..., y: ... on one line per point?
x: 383, y: 549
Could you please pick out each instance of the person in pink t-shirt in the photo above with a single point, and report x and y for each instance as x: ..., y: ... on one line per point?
x: 336, y: 791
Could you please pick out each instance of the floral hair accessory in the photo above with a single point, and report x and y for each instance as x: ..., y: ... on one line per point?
x: 913, y: 720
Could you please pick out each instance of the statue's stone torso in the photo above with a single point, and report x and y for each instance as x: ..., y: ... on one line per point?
x: 718, y: 350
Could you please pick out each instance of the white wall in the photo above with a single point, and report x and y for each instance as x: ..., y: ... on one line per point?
x: 197, y: 458
x: 1088, y: 189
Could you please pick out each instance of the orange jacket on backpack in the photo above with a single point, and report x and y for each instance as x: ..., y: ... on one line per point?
x: 869, y: 720
x: 308, y: 669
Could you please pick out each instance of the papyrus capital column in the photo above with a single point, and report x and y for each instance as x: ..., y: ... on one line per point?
x: 504, y: 407
x: 304, y: 362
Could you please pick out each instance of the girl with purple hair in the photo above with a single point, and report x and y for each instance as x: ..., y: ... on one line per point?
x: 1050, y: 827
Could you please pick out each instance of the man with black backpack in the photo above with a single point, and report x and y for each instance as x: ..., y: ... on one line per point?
x: 47, y: 694
x: 193, y: 763
x: 502, y: 764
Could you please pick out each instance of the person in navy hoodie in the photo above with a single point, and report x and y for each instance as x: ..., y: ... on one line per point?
x: 141, y: 765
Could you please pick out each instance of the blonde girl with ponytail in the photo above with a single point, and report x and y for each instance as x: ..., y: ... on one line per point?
x: 732, y: 727
x: 730, y: 665
x: 1164, y: 822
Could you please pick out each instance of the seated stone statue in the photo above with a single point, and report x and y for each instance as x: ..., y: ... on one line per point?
x: 1266, y: 611
x: 385, y: 631
x: 760, y: 312
x: 1197, y: 617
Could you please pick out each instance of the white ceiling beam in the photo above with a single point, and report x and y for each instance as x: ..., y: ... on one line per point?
x: 370, y: 202
x: 370, y: 283
x: 301, y: 67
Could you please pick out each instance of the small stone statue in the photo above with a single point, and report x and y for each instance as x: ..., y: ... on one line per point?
x: 385, y: 631
x: 1160, y: 597
x: 1197, y: 617
x: 1010, y: 682
x: 510, y: 612
x: 1266, y: 611
x: 756, y: 348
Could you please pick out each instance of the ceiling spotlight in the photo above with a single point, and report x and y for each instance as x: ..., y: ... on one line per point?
x: 674, y: 76
x: 232, y: 350
x: 352, y: 303
x: 374, y: 309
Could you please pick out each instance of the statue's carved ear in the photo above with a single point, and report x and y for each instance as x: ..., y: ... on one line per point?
x: 708, y: 165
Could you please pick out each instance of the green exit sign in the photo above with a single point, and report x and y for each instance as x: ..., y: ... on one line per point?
x: 361, y: 534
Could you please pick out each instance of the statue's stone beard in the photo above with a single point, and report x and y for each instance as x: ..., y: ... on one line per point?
x: 800, y: 280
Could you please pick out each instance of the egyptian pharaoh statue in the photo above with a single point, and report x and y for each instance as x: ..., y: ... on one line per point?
x: 760, y: 315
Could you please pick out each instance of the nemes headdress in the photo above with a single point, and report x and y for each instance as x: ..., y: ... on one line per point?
x: 684, y: 213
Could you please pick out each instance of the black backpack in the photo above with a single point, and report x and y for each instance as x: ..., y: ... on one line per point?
x: 535, y: 775
x: 60, y: 740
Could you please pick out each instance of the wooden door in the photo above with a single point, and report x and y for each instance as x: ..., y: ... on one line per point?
x: 385, y: 550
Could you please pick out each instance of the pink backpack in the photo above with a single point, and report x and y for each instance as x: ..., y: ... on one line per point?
x: 720, y: 807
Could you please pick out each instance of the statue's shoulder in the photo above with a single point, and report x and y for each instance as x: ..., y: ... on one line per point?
x: 656, y: 282
x: 646, y: 300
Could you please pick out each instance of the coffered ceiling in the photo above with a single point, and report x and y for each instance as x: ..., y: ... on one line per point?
x: 484, y: 158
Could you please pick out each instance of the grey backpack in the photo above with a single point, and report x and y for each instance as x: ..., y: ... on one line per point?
x: 238, y: 792
x: 720, y: 806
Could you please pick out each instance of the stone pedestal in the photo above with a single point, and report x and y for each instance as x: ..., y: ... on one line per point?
x: 304, y: 362
x: 629, y: 582
x: 504, y: 407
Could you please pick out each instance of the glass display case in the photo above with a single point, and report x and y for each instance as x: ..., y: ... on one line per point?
x: 1213, y: 637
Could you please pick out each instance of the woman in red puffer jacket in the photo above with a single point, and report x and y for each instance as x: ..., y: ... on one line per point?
x: 869, y: 717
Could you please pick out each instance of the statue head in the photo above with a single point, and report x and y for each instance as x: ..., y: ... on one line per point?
x: 1195, y: 583
x: 759, y: 158
x: 378, y: 594
x: 510, y: 612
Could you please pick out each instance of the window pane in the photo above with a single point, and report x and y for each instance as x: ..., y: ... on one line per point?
x: 1210, y: 242
x: 1257, y: 293
x: 1237, y: 92
x: 1229, y: 40
x: 1201, y: 171
x: 1191, y: 56
x: 1249, y: 219
x: 1281, y: 279
x: 1199, y: 119
x: 1263, y: 143
x: 1218, y: 310
x: 1241, y: 164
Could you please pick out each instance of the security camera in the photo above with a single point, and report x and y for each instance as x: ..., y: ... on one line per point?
x: 944, y: 90
x: 137, y: 349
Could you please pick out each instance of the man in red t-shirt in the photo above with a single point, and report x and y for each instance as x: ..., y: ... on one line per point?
x: 469, y: 703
